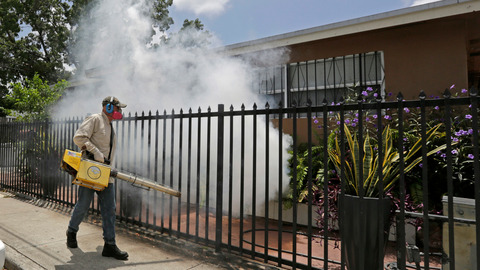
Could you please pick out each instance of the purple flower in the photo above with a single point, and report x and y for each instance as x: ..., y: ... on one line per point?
x: 390, y: 94
x: 347, y: 121
x: 365, y: 93
x: 338, y: 122
x: 388, y: 117
x: 443, y: 155
x: 369, y: 88
x: 367, y: 119
x: 437, y: 108
x: 354, y: 124
x: 375, y: 94
x: 407, y: 110
x: 420, y: 165
x: 375, y: 116
x: 468, y: 116
x: 451, y: 87
x: 470, y: 131
x: 315, y: 121
x: 454, y: 152
x: 464, y: 91
x: 470, y: 156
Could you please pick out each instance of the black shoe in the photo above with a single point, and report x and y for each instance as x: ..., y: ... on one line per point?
x: 72, y: 239
x: 114, y: 251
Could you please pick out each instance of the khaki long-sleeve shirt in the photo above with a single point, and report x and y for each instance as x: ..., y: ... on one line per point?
x: 95, y: 132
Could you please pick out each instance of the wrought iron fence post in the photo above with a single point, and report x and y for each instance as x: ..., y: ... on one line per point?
x: 218, y: 223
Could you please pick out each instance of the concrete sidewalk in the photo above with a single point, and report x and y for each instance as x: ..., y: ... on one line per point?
x: 34, y: 235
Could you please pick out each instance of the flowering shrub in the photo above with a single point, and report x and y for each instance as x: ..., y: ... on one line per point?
x: 460, y: 151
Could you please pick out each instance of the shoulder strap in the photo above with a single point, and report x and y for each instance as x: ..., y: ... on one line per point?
x: 111, y: 140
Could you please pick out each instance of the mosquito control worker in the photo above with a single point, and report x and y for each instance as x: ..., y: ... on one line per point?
x: 96, y: 138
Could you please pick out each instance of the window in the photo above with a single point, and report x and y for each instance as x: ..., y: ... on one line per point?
x: 322, y: 79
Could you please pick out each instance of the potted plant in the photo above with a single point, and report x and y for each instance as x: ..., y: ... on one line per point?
x: 365, y: 201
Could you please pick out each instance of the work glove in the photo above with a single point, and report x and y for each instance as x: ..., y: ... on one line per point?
x: 97, y: 155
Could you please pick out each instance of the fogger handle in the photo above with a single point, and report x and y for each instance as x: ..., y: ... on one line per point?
x: 137, y: 180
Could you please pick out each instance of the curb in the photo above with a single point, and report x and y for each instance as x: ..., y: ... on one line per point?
x: 15, y: 260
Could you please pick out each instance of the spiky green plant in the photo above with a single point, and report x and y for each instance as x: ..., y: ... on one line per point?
x: 369, y: 171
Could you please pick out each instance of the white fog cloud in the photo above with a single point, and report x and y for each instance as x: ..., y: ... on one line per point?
x: 204, y: 7
x: 177, y: 75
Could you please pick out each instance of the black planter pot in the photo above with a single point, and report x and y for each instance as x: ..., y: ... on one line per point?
x: 360, y: 230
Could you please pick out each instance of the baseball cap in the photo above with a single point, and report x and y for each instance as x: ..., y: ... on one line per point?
x: 114, y: 101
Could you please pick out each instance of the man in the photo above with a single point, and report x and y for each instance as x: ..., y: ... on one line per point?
x: 96, y: 138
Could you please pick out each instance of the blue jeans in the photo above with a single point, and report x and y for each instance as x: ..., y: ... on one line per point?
x: 107, y: 209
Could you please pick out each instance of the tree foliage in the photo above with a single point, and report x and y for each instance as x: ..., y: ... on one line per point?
x: 32, y: 99
x: 36, y: 38
x: 33, y: 38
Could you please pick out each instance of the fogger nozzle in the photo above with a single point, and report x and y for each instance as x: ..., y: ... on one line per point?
x: 143, y: 182
x: 96, y: 175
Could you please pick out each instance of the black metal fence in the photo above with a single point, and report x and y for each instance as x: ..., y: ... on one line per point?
x: 251, y: 190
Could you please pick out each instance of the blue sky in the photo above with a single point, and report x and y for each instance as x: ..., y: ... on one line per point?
x: 234, y: 21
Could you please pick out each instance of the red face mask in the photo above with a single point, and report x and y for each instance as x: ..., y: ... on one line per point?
x: 117, y: 115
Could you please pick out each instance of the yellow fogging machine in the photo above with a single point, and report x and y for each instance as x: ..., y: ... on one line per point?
x: 95, y: 175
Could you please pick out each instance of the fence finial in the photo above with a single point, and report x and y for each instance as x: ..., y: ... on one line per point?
x: 473, y: 91
x: 378, y: 96
x: 267, y: 106
x: 422, y: 95
x: 400, y: 96
x: 447, y: 93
